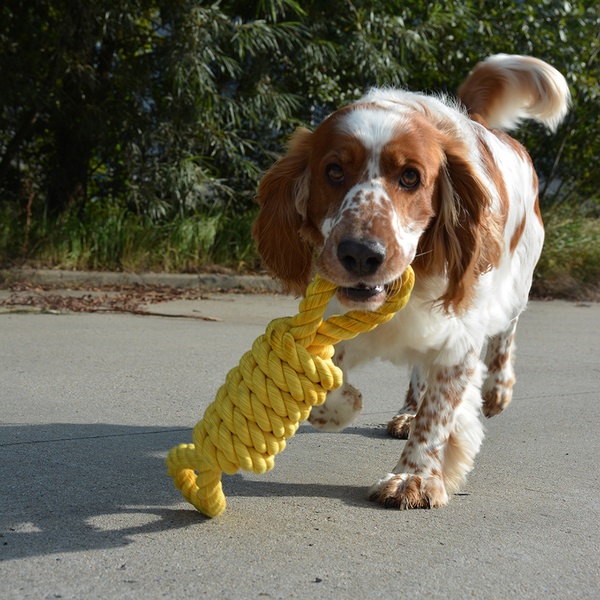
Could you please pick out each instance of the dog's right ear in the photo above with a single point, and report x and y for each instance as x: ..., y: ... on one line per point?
x: 283, y: 195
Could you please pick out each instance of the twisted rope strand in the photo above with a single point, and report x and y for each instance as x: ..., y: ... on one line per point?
x: 288, y: 371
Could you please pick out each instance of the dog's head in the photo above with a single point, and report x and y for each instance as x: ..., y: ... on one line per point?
x: 377, y: 186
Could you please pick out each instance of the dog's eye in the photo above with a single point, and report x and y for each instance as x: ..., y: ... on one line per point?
x: 410, y: 179
x: 335, y: 173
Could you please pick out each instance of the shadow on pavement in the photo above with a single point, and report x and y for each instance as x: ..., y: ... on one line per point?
x: 368, y: 431
x: 74, y: 487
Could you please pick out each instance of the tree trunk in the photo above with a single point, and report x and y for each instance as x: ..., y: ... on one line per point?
x: 69, y: 178
x: 22, y: 134
x: 79, y: 134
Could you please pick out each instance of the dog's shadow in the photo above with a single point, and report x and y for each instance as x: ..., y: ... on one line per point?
x: 72, y: 487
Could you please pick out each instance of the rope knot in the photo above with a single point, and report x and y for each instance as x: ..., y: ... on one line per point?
x: 288, y: 371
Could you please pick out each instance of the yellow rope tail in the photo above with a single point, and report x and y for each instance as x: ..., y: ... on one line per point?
x: 274, y: 387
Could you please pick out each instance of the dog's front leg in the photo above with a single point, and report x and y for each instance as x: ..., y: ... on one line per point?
x: 444, y: 438
x: 342, y: 407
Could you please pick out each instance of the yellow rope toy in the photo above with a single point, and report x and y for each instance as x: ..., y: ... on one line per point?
x: 274, y: 387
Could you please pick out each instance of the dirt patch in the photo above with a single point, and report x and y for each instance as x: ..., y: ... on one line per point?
x: 564, y: 286
x: 124, y: 299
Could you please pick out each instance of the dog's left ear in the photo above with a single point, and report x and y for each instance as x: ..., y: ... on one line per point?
x: 463, y: 241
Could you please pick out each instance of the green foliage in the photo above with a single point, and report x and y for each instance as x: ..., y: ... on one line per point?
x: 570, y: 263
x: 567, y: 35
x: 117, y: 239
x: 123, y: 117
x: 155, y: 107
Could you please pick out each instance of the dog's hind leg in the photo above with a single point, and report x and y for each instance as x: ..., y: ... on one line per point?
x: 498, y: 387
x: 399, y: 425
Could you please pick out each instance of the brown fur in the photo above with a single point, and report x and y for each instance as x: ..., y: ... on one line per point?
x: 408, y: 181
x: 462, y: 240
x: 284, y: 252
x: 483, y: 89
x: 411, y: 491
x: 399, y: 426
x: 516, y: 236
x: 489, y: 86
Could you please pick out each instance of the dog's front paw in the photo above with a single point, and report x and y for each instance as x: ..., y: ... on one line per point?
x: 405, y: 490
x: 399, y: 426
x: 342, y: 407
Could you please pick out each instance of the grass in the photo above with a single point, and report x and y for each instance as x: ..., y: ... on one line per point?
x: 114, y: 240
x: 120, y: 241
x: 569, y: 267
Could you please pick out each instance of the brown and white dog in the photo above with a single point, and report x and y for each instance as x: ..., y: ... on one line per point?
x: 400, y: 179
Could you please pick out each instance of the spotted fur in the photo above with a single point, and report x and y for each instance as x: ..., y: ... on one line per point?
x: 402, y: 179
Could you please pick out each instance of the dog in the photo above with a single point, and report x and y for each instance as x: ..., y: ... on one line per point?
x: 398, y: 179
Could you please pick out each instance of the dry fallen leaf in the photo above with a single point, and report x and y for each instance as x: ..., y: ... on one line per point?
x: 128, y: 299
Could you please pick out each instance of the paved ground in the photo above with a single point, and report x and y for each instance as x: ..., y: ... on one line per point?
x: 91, y: 403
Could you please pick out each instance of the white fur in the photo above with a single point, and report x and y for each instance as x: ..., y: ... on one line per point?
x: 463, y: 161
x: 423, y: 334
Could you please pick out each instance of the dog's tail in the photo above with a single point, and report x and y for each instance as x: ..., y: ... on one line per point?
x: 505, y: 88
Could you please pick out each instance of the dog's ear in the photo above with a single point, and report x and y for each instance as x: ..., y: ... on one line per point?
x: 283, y: 195
x: 463, y: 241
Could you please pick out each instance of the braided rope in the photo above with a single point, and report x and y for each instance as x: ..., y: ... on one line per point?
x: 288, y: 371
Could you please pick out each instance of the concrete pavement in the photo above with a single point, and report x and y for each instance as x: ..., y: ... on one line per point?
x: 91, y: 404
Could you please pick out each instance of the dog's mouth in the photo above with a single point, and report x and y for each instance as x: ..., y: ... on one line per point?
x: 362, y: 293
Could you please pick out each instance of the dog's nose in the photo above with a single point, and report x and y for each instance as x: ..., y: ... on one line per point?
x: 360, y: 257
